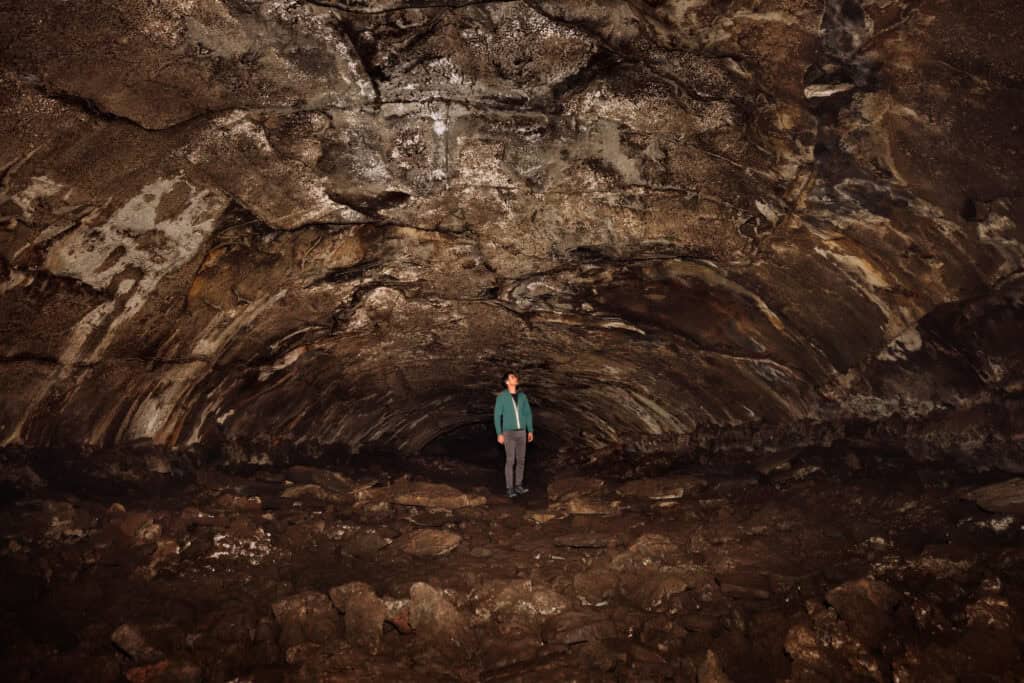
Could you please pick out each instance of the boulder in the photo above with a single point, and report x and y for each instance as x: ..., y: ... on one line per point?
x: 395, y: 610
x: 537, y: 517
x: 517, y: 596
x: 243, y: 503
x: 373, y: 511
x: 340, y: 595
x: 865, y: 605
x: 824, y: 650
x: 423, y: 494
x: 166, y: 549
x: 654, y: 546
x: 129, y: 639
x: 314, y: 492
x: 139, y: 527
x: 432, y: 517
x: 585, y: 540
x: 648, y: 589
x: 365, y: 614
x: 332, y: 481
x: 429, y: 542
x: 588, y: 506
x: 662, y: 488
x: 363, y: 542
x: 1006, y: 496
x: 595, y: 586
x: 569, y: 628
x: 306, y: 617
x: 438, y: 621
x: 573, y: 487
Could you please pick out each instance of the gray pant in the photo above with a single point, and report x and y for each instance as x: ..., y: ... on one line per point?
x: 515, y: 456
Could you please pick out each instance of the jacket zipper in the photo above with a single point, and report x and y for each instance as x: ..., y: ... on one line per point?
x: 515, y: 408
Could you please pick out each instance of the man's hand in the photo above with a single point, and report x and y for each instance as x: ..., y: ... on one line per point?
x: 501, y: 438
x: 529, y: 437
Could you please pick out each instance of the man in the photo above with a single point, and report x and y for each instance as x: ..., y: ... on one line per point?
x: 513, y: 421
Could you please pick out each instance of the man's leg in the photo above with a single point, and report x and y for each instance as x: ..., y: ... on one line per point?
x: 509, y: 458
x: 520, y: 457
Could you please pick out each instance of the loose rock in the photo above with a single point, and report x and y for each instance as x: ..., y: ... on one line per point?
x: 595, y: 586
x: 130, y: 640
x: 573, y: 487
x: 665, y: 488
x: 649, y: 588
x: 517, y: 596
x: 314, y: 492
x: 655, y: 546
x: 585, y: 540
x: 429, y: 495
x: 438, y: 621
x: 865, y: 605
x: 364, y: 620
x: 588, y: 506
x: 578, y: 627
x: 332, y: 481
x: 306, y: 617
x: 1006, y: 496
x: 429, y: 542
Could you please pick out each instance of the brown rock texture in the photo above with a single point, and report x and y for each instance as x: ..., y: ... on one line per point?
x: 853, y: 575
x: 429, y: 542
x: 257, y: 229
x: 306, y: 617
x: 364, y: 621
x: 439, y: 622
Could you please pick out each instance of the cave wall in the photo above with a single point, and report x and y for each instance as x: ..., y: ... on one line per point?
x: 258, y: 225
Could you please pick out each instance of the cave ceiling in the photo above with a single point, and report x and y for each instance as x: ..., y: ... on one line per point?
x: 337, y: 223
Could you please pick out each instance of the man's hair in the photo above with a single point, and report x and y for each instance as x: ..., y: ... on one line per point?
x: 504, y: 378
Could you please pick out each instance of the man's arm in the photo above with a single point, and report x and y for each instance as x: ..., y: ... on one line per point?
x: 529, y: 417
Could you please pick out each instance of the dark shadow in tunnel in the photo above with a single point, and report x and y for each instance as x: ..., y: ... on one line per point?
x: 472, y: 456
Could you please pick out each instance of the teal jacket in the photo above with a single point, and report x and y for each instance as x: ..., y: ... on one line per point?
x: 505, y: 413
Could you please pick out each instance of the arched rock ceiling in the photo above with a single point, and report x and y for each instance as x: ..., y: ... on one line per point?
x: 336, y: 222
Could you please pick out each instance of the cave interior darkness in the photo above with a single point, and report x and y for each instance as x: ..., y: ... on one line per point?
x: 759, y: 265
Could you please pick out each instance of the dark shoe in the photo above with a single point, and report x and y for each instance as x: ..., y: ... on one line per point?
x: 512, y: 493
x: 521, y: 490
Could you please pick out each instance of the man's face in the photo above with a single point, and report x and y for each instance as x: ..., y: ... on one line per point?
x: 512, y: 382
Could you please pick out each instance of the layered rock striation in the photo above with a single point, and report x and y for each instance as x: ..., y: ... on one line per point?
x: 254, y: 226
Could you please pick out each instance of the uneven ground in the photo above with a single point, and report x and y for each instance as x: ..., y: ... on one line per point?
x: 241, y: 236
x: 809, y: 566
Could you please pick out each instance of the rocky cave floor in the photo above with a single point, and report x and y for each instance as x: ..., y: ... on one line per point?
x: 815, y: 565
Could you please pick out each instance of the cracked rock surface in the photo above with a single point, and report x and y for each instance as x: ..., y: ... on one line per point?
x: 274, y: 229
x: 758, y: 263
x: 879, y: 569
